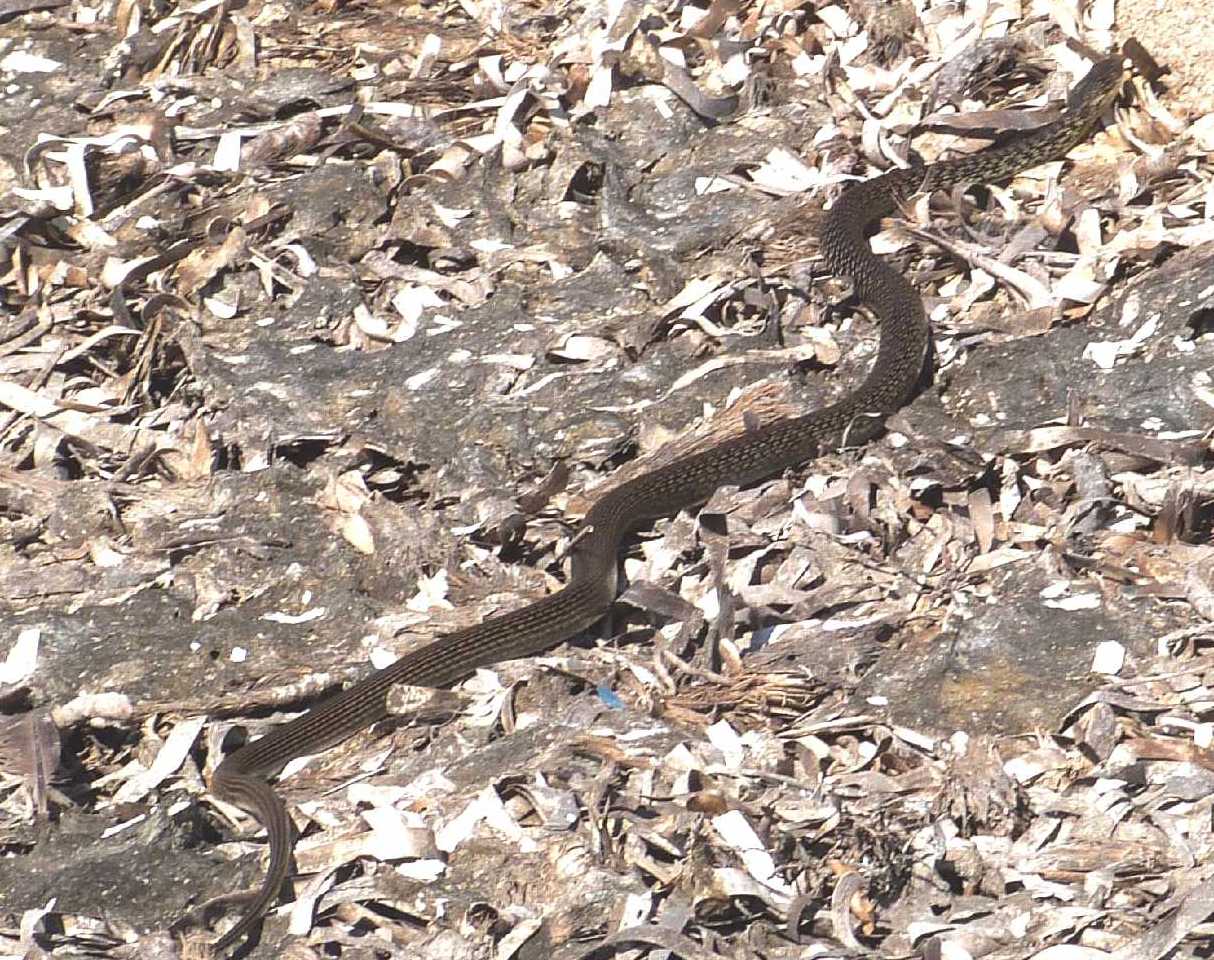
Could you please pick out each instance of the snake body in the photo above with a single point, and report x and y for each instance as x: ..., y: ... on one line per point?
x: 685, y: 482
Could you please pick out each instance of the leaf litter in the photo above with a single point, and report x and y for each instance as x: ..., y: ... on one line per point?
x: 726, y: 787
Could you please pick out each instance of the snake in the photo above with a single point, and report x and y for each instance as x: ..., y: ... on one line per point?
x: 754, y: 454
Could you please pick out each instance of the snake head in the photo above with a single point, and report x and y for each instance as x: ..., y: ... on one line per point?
x: 1099, y: 87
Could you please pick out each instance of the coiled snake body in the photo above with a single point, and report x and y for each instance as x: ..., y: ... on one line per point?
x: 755, y: 454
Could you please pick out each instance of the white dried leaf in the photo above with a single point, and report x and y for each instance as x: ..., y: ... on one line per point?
x: 348, y: 492
x: 412, y: 300
x: 491, y: 67
x: 1201, y: 131
x: 419, y: 380
x: 722, y: 736
x: 1109, y: 658
x: 22, y: 657
x: 396, y: 837
x: 919, y: 929
x: 920, y: 741
x: 504, y: 128
x: 227, y: 153
x: 103, y: 554
x: 1105, y: 353
x: 431, y: 594
x: 582, y: 347
x: 1098, y: 15
x: 303, y: 910
x: 1080, y: 284
x: 61, y: 198
x: 694, y: 291
x: 294, y: 619
x: 783, y: 173
x: 598, y: 91
x: 1079, y: 601
x: 454, y: 161
x: 490, y: 245
x: 221, y: 308
x: 715, y: 184
x: 1029, y: 766
x: 423, y: 871
x: 169, y: 759
x: 117, y: 828
x: 837, y: 20
x: 1059, y: 588
x: 673, y: 55
x: 736, y: 832
x: 21, y: 61
x: 1087, y: 232
x: 372, y: 325
x: 805, y: 65
x: 486, y: 807
x: 951, y: 948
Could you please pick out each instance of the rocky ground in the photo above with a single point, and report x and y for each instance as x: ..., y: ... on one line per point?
x: 321, y: 322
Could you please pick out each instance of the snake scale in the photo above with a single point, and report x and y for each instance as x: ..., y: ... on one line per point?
x: 761, y: 452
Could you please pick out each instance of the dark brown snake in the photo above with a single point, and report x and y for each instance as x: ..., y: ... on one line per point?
x: 752, y: 456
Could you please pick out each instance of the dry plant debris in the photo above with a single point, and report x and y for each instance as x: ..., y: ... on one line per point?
x: 307, y: 310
